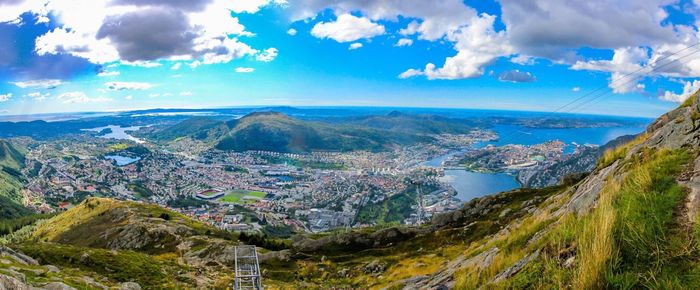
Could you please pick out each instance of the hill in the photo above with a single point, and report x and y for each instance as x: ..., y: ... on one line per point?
x: 277, y: 132
x: 198, y: 128
x: 417, y: 124
x: 273, y: 131
x: 11, y: 164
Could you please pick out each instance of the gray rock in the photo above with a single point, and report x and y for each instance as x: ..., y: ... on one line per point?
x: 12, y: 283
x: 57, y: 286
x: 52, y: 269
x: 517, y: 267
x: 587, y: 192
x: 129, y: 286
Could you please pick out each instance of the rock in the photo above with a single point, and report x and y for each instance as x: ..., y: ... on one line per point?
x: 85, y: 258
x: 52, y: 269
x: 12, y: 283
x: 129, y: 286
x: 57, y: 286
x: 5, y: 262
x: 17, y: 256
x: 587, y: 192
x: 504, y: 213
x: 374, y: 267
x: 515, y: 268
x: 569, y: 263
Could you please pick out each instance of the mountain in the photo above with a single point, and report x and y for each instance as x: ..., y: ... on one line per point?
x: 274, y: 131
x: 198, y: 128
x: 11, y: 164
x: 396, y: 121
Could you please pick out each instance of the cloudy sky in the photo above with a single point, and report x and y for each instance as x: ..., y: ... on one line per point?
x: 620, y: 57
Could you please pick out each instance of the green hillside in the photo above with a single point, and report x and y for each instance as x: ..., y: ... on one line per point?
x: 281, y: 133
x: 416, y: 124
x: 198, y: 128
x: 11, y: 179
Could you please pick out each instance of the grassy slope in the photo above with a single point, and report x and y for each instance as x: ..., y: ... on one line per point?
x: 11, y: 162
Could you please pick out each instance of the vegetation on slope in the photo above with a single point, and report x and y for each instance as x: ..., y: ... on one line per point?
x: 11, y: 179
x: 277, y: 132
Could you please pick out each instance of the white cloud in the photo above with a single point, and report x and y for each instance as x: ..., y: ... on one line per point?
x: 267, y: 55
x: 410, y: 73
x: 292, y: 31
x: 142, y: 63
x: 122, y: 30
x: 551, y: 28
x: 355, y: 45
x: 108, y: 74
x: 626, y: 65
x: 176, y: 66
x: 38, y: 96
x: 245, y: 69
x: 80, y: 97
x: 477, y: 45
x: 253, y: 6
x: 404, y: 42
x: 120, y: 86
x: 434, y: 19
x: 43, y: 84
x: 347, y: 28
x: 186, y: 94
x: 5, y: 98
x: 576, y: 89
x: 10, y: 11
x: 129, y: 97
x: 154, y: 95
x: 689, y: 88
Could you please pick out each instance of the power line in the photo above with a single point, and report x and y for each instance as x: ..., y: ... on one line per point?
x: 654, y: 69
x: 607, y: 87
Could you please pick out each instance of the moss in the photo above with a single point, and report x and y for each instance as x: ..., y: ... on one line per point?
x: 121, y: 266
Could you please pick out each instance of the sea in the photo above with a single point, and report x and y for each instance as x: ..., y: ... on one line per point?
x: 470, y: 185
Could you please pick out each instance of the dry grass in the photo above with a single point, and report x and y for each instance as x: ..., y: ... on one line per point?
x: 596, y: 242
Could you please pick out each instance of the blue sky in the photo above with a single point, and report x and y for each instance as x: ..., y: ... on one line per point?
x: 88, y: 55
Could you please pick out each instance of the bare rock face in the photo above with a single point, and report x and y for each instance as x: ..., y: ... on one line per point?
x: 17, y: 256
x: 587, y: 192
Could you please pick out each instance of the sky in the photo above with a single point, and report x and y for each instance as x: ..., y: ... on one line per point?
x: 612, y: 57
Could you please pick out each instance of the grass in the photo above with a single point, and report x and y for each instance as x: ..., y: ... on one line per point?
x: 118, y: 146
x: 237, y: 195
x: 122, y: 266
x: 620, y: 152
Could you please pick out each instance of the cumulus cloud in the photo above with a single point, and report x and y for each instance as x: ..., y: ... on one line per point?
x: 202, y: 31
x: 5, y: 98
x: 176, y: 66
x: 404, y: 42
x: 186, y: 94
x: 551, y: 28
x: 355, y: 45
x: 42, y: 84
x: 80, y: 97
x: 516, y: 76
x: 347, y: 28
x: 267, y: 55
x: 576, y: 89
x: 624, y: 67
x: 292, y: 31
x: 477, y: 45
x: 410, y: 73
x: 121, y: 86
x: 38, y: 96
x: 108, y: 73
x: 245, y: 69
x: 435, y: 19
x: 689, y: 88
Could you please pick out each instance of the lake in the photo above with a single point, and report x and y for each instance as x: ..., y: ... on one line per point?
x: 122, y: 160
x: 118, y: 132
